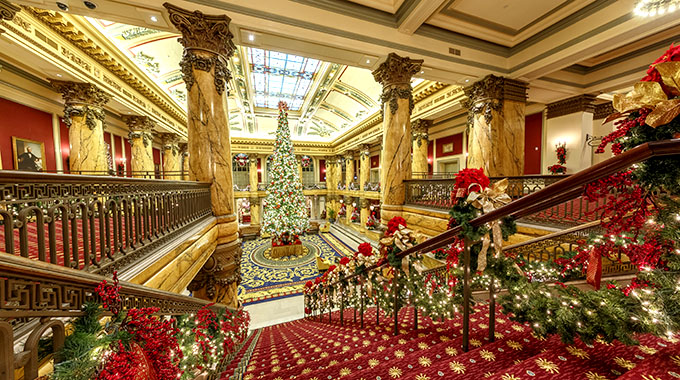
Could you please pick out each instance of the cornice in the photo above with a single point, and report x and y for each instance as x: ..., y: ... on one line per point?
x: 581, y: 103
x: 362, y: 127
x: 431, y: 89
x: 603, y: 110
x: 66, y: 29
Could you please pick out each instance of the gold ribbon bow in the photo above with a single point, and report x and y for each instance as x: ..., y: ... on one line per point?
x: 651, y: 95
x: 488, y: 200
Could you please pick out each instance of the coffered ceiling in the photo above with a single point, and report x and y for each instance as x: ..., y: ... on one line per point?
x: 561, y: 47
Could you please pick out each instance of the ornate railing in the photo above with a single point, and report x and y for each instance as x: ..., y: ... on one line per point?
x: 314, y: 186
x: 555, y: 194
x: 35, y: 297
x: 244, y: 188
x: 94, y: 223
x: 437, y: 194
x: 353, y: 186
x: 372, y: 186
x: 341, y: 186
x: 435, y: 175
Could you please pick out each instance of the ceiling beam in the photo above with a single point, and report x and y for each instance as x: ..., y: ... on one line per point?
x: 418, y: 13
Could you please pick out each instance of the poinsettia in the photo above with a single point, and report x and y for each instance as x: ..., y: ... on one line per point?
x: 468, y: 180
x: 344, y: 261
x: 653, y: 75
x: 393, y: 225
x: 365, y: 249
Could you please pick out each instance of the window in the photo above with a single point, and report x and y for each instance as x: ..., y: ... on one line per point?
x: 308, y: 170
x: 240, y: 169
x: 280, y: 76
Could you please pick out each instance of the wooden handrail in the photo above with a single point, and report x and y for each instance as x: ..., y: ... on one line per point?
x: 62, y: 282
x: 552, y: 195
x: 18, y: 176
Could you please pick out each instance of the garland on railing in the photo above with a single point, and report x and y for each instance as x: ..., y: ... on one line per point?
x: 137, y: 344
x: 641, y: 222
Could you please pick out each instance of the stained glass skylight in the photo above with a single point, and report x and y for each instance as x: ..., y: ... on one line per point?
x: 280, y: 76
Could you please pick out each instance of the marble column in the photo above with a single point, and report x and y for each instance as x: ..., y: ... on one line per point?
x: 84, y: 116
x: 349, y: 171
x: 337, y: 172
x: 364, y: 166
x: 208, y: 45
x: 172, y: 165
x: 255, y: 212
x: 184, y: 157
x: 254, y: 199
x: 141, y: 148
x: 420, y: 141
x: 496, y: 108
x: 364, y: 203
x: 397, y: 103
x: 299, y: 165
x: 330, y: 176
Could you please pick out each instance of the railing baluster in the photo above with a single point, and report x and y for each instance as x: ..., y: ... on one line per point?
x: 466, y: 294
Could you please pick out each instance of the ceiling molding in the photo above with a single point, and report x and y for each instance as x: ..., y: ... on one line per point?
x: 67, y: 30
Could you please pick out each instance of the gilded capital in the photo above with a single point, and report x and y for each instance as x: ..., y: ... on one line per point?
x: 395, y: 75
x: 397, y: 70
x: 364, y: 203
x: 364, y: 151
x: 8, y: 10
x: 488, y: 95
x: 82, y: 99
x: 170, y: 142
x: 419, y: 130
x: 207, y: 45
x: 140, y: 127
x: 184, y: 149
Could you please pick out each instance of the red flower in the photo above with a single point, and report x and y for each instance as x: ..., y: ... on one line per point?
x: 331, y: 268
x: 393, y: 225
x: 672, y: 54
x: 308, y: 310
x: 365, y: 249
x: 344, y: 260
x: 317, y: 280
x: 470, y: 180
x: 308, y: 284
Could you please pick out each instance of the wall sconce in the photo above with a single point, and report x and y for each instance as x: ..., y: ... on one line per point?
x: 592, y: 140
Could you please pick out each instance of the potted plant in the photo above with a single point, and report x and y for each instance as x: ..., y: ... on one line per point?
x: 331, y: 215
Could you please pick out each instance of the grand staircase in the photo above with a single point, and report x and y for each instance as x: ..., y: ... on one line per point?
x: 315, y: 348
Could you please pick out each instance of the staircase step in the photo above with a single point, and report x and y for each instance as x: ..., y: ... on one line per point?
x: 350, y: 237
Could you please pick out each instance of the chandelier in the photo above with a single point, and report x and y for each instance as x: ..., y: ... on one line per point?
x: 650, y: 8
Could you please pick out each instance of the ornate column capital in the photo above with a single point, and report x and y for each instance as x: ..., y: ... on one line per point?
x: 395, y: 76
x: 349, y: 155
x: 364, y: 151
x: 419, y: 130
x: 82, y: 99
x: 8, y: 10
x: 140, y: 127
x: 184, y: 149
x: 581, y: 103
x: 488, y: 95
x: 170, y: 141
x: 364, y: 203
x: 254, y: 201
x: 207, y: 44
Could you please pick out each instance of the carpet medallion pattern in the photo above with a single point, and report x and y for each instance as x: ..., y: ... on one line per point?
x: 264, y: 277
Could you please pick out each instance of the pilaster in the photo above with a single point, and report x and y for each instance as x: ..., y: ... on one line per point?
x: 420, y: 138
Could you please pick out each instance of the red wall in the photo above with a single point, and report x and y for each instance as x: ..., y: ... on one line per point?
x: 322, y: 170
x: 533, y: 129
x: 27, y: 123
x: 457, y: 141
x: 259, y: 170
x: 430, y: 158
x: 119, y: 152
x: 128, y: 154
x: 375, y: 161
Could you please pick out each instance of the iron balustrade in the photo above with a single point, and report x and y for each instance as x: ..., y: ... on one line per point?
x: 438, y: 194
x: 372, y: 186
x: 37, y: 296
x: 435, y: 175
x: 314, y: 186
x: 94, y: 223
x: 554, y: 194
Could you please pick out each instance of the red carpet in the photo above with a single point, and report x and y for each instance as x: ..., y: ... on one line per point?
x: 314, y: 350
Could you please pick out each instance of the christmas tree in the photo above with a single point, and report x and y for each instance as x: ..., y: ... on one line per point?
x: 285, y: 213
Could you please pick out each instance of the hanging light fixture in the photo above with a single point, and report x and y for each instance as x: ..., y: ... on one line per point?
x: 651, y: 8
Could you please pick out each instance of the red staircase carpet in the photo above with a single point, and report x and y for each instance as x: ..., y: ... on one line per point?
x: 312, y: 349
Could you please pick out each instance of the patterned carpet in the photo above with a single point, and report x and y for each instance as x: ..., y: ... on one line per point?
x: 264, y: 277
x: 313, y: 349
